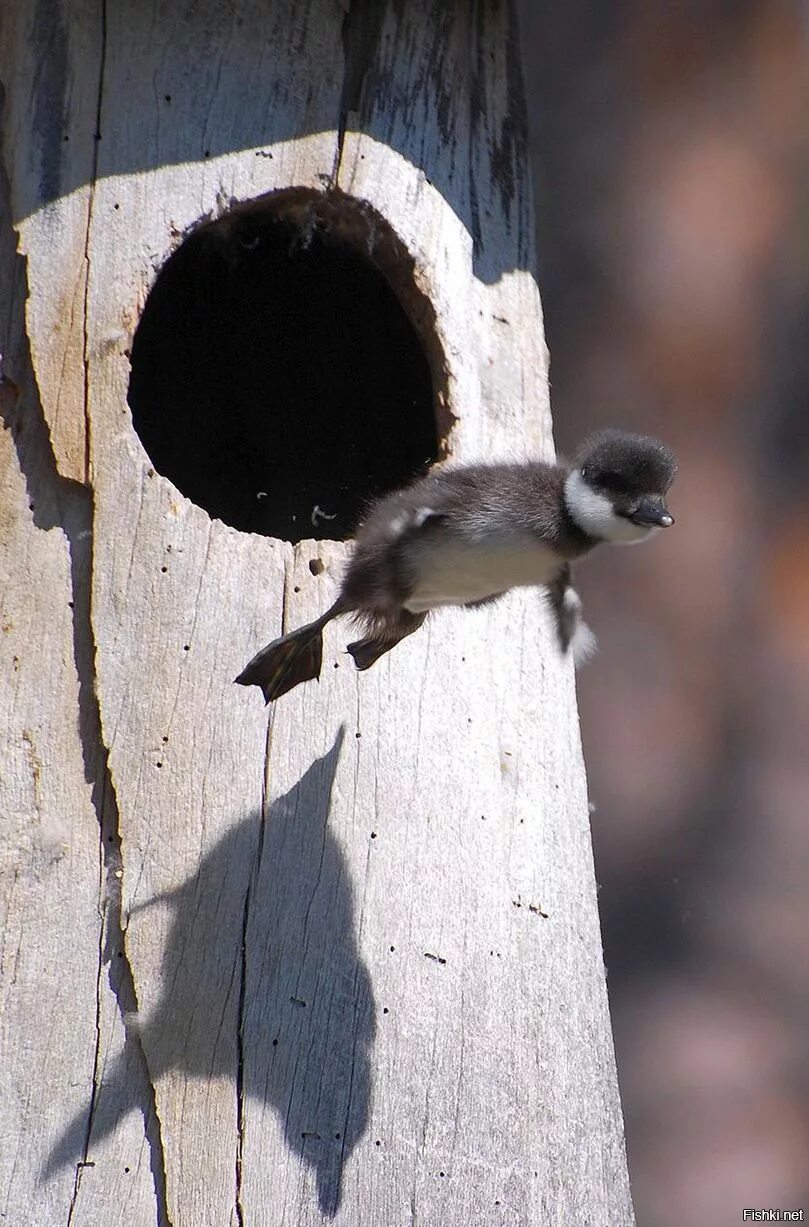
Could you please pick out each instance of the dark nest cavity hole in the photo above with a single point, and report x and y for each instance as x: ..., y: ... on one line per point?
x: 285, y: 370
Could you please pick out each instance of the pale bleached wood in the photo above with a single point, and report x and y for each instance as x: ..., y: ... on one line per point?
x: 435, y: 805
x: 56, y: 1003
x: 189, y: 826
x: 50, y: 65
x: 442, y: 111
x: 461, y: 806
x: 49, y: 866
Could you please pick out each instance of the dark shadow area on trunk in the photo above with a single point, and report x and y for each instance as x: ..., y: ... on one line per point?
x: 266, y: 76
x: 290, y: 1015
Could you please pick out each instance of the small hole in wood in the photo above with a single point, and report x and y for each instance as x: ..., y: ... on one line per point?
x: 316, y: 566
x: 286, y: 368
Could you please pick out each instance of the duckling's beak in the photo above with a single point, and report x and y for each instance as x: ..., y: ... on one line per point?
x: 653, y: 511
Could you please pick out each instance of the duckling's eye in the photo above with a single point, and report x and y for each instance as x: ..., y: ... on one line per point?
x: 584, y: 471
x: 613, y: 481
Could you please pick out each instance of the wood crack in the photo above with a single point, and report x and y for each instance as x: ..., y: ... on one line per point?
x: 90, y: 206
x: 248, y: 900
x: 61, y: 503
x: 362, y: 24
x: 240, y: 1094
x: 122, y: 984
x: 112, y: 947
x: 84, y: 1162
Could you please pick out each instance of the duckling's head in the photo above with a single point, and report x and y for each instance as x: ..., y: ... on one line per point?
x: 615, y: 490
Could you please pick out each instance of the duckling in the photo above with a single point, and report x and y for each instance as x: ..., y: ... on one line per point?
x: 466, y: 535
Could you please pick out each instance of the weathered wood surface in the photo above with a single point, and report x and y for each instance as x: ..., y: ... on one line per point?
x: 360, y: 974
x: 60, y: 946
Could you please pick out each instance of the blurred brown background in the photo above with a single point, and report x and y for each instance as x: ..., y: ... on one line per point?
x: 671, y: 147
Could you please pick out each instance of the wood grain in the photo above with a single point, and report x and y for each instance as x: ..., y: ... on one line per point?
x: 360, y: 974
x: 64, y: 1076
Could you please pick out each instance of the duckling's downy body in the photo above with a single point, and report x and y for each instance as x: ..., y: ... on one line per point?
x: 467, y: 535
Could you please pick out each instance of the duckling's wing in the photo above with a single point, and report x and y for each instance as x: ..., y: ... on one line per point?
x: 427, y: 518
x: 411, y: 522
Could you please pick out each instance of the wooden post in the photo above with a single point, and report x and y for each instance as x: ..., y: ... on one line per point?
x: 343, y: 964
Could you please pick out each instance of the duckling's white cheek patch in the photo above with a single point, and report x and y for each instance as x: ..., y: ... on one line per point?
x: 593, y: 512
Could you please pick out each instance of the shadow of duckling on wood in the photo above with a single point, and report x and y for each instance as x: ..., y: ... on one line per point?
x: 467, y: 535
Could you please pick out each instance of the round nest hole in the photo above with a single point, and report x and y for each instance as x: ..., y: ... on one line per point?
x: 277, y: 380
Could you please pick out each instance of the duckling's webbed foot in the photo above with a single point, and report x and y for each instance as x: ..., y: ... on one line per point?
x: 285, y: 662
x: 294, y: 658
x: 367, y: 651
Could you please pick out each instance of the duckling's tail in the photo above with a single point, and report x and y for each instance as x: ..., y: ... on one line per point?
x: 293, y: 658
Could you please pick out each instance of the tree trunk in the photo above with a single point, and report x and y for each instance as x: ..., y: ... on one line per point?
x: 343, y: 964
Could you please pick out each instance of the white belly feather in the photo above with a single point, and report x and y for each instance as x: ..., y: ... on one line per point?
x: 459, y: 572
